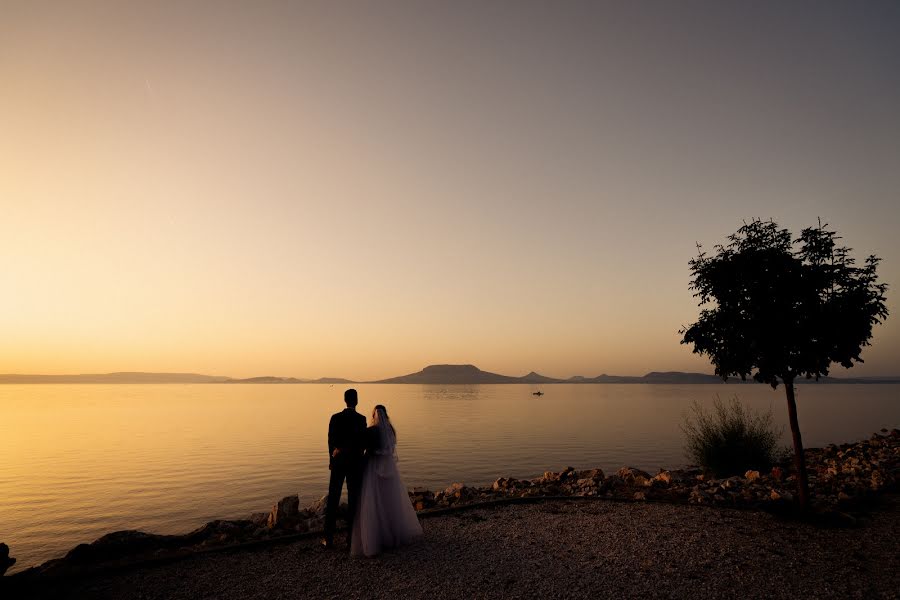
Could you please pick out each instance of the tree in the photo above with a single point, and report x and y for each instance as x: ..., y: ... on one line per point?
x: 777, y: 308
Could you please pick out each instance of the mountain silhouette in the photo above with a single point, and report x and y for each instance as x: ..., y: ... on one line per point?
x: 122, y: 377
x: 538, y: 378
x: 268, y: 379
x: 452, y: 374
x: 433, y: 374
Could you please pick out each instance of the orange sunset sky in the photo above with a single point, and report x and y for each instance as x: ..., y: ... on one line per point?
x: 361, y: 189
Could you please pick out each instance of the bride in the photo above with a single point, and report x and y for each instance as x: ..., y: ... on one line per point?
x: 385, y: 517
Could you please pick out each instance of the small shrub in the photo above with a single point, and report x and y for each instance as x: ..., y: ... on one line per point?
x: 731, y: 439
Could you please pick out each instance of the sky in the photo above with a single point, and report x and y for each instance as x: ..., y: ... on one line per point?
x: 362, y: 189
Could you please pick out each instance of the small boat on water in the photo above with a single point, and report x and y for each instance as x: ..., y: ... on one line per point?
x: 538, y: 393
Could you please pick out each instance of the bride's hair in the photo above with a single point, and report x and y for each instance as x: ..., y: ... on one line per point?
x: 376, y: 418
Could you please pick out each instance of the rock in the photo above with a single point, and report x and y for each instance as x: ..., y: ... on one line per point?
x: 459, y: 492
x: 595, y: 474
x: 663, y: 478
x: 549, y: 476
x: 453, y: 489
x: 259, y: 518
x: 699, y: 496
x: 632, y: 476
x: 421, y: 498
x: 117, y: 545
x: 319, y: 507
x: 285, y: 513
x: 218, y: 531
x: 6, y: 561
x: 727, y: 484
x: 639, y: 496
x: 751, y: 475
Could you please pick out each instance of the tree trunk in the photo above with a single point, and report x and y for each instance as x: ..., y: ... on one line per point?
x: 799, y: 459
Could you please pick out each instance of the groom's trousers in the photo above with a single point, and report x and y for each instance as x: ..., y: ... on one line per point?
x: 340, y: 470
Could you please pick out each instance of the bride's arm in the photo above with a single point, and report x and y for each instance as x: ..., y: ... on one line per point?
x: 371, y: 440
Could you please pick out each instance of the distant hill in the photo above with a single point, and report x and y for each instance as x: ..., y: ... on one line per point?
x: 267, y: 379
x: 470, y: 374
x: 126, y: 377
x: 433, y: 374
x: 451, y: 374
x: 679, y: 377
x: 271, y: 379
x: 537, y: 378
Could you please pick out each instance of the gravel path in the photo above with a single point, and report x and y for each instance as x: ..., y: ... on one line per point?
x: 556, y: 549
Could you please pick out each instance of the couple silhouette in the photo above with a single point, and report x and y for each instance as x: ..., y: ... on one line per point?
x: 380, y: 514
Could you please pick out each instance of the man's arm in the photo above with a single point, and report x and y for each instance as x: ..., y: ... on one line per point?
x: 331, y: 439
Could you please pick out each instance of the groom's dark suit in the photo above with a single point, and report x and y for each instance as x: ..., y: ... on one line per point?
x: 346, y: 443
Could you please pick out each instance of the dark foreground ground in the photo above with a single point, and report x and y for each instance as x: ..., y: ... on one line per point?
x: 558, y: 549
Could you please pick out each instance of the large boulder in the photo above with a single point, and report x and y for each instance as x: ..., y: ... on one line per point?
x: 120, y: 544
x: 285, y: 513
x: 5, y: 560
x: 219, y: 531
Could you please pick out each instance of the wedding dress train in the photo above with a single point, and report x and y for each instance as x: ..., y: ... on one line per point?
x: 385, y: 516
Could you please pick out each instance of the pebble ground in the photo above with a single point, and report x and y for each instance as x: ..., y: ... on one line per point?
x: 555, y: 549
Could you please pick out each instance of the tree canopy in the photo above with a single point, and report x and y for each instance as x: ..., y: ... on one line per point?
x: 777, y: 308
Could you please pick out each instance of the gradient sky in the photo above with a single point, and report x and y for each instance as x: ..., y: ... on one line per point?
x: 362, y: 189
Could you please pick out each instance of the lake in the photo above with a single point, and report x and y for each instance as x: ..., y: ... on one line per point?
x: 83, y: 460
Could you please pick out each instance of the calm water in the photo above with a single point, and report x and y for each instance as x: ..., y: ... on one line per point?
x: 83, y: 460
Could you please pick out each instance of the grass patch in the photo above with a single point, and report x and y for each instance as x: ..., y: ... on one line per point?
x: 731, y: 439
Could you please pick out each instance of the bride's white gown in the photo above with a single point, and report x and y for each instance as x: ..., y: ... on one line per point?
x: 385, y: 517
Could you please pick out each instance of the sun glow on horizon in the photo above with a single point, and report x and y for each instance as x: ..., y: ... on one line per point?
x: 355, y: 192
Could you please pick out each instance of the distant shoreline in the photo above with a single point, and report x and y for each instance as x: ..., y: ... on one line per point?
x: 430, y: 375
x: 828, y: 381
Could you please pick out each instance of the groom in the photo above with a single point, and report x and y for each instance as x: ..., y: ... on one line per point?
x: 346, y: 435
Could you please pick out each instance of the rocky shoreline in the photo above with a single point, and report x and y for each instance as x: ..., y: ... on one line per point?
x: 841, y: 478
